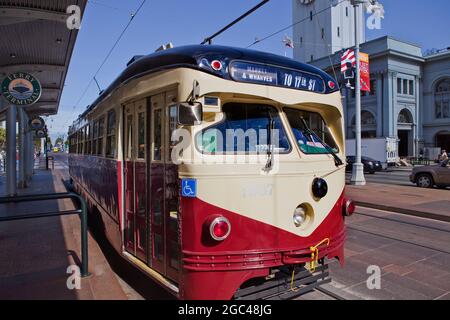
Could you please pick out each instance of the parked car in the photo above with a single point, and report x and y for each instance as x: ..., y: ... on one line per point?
x: 429, y: 176
x: 370, y: 165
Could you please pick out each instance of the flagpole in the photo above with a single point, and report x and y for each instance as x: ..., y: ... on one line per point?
x: 358, y: 168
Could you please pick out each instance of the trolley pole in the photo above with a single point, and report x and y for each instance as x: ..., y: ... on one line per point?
x: 358, y: 168
x: 209, y: 39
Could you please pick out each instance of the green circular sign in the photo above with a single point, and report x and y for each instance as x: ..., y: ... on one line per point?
x: 21, y: 89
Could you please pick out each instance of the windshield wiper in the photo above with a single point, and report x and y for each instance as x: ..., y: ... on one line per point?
x: 271, y: 127
x: 337, y: 161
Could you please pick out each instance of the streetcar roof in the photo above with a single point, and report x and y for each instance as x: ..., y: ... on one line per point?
x: 189, y: 57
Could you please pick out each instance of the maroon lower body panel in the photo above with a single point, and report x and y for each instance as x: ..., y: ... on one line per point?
x: 215, y: 270
x: 99, y: 179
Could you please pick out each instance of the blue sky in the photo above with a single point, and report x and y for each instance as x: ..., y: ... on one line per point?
x: 426, y: 23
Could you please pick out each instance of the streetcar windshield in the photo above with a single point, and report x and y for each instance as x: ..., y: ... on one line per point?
x: 308, y: 143
x: 245, y: 128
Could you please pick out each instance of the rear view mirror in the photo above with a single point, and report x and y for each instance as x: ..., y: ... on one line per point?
x: 190, y: 113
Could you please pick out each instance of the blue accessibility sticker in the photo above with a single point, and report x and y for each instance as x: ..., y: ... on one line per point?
x: 189, y: 188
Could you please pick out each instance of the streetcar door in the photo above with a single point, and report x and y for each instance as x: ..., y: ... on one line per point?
x: 140, y: 179
x: 129, y: 236
x: 172, y: 193
x: 164, y: 187
x: 156, y: 182
x: 136, y: 179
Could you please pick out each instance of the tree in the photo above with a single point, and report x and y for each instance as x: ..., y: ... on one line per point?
x: 37, y: 143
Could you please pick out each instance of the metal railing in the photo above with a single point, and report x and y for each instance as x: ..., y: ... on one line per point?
x: 82, y: 212
x: 420, y: 161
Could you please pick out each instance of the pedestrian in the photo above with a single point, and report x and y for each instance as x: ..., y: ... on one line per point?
x: 444, y: 156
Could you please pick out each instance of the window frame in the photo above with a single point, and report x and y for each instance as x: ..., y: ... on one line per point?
x: 154, y: 110
x: 438, y: 97
x: 338, y: 150
x: 279, y: 111
x: 94, y: 138
x: 111, y: 148
x: 101, y: 136
x: 140, y: 109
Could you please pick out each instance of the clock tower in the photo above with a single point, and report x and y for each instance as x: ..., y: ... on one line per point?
x: 326, y: 32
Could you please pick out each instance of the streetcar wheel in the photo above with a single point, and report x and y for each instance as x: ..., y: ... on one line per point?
x: 424, y: 181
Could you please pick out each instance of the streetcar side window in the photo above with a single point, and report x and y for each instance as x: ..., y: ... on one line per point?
x: 245, y: 129
x: 111, y: 135
x: 70, y: 144
x: 95, y: 137
x: 83, y: 145
x: 88, y: 139
x: 141, y: 135
x: 157, y: 130
x: 173, y: 120
x: 101, y: 132
x: 129, y: 149
x: 79, y: 142
x: 308, y: 143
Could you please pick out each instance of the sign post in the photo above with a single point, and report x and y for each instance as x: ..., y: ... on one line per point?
x: 358, y: 168
x: 20, y: 89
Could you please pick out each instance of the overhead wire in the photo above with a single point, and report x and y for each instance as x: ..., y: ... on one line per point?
x: 133, y: 15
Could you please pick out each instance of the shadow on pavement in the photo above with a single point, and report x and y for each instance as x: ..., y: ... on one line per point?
x: 135, y: 278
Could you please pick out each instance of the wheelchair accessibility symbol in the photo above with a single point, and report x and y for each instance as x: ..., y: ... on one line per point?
x: 189, y: 188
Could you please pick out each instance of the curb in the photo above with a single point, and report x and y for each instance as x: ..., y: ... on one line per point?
x: 421, y: 214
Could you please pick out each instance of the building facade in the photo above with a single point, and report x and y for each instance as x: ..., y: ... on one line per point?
x: 410, y: 92
x: 323, y: 30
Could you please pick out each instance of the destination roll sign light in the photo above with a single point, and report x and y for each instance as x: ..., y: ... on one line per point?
x: 275, y: 76
x: 21, y: 89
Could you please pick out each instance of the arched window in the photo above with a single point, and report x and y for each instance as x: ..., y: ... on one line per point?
x: 442, y: 99
x: 404, y: 117
x: 367, y: 119
x: 368, y: 125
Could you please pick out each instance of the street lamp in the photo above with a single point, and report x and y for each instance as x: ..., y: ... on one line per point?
x: 358, y: 168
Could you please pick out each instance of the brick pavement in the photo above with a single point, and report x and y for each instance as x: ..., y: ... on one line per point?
x: 427, y: 203
x: 35, y: 254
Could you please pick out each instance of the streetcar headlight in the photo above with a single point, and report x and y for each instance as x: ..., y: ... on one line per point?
x: 319, y: 188
x: 220, y: 228
x: 299, y: 216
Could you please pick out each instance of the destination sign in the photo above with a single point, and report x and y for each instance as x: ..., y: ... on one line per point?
x: 275, y: 76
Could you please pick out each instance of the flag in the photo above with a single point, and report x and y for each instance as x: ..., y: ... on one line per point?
x: 364, y: 71
x: 347, y: 56
x: 288, y: 42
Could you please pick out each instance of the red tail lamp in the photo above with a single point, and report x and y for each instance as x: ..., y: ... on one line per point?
x: 216, y: 65
x: 349, y: 208
x: 332, y: 85
x: 220, y: 228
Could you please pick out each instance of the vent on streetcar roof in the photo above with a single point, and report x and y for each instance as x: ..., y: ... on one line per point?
x: 165, y: 47
x: 134, y: 59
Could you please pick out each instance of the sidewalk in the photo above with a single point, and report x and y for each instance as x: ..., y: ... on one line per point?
x: 411, y: 200
x: 35, y: 253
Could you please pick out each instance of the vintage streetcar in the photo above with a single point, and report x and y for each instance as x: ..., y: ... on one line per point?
x: 217, y: 171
